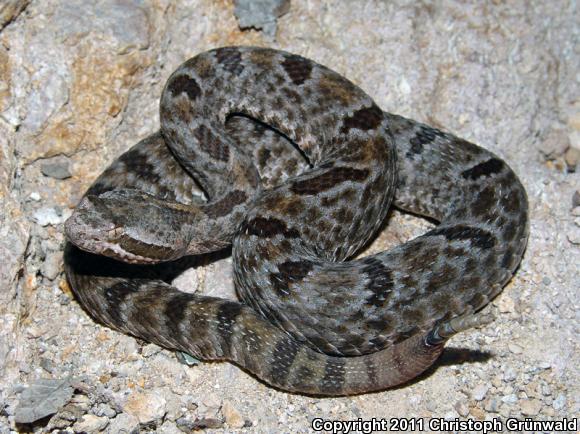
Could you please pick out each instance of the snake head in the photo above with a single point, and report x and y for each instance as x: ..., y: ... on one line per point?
x: 128, y: 225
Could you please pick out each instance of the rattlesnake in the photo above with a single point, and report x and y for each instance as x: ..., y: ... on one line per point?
x: 299, y: 167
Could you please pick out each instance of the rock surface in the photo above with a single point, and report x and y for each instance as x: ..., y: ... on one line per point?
x: 80, y: 82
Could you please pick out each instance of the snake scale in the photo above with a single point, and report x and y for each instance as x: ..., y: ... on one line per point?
x: 298, y: 168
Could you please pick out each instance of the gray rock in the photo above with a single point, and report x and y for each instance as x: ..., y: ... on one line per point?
x: 57, y: 168
x: 83, y: 79
x: 260, y: 14
x: 125, y: 22
x: 123, y: 424
x: 42, y: 398
x: 105, y: 410
x: 52, y: 265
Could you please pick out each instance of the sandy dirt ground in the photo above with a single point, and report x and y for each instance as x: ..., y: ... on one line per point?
x: 80, y: 82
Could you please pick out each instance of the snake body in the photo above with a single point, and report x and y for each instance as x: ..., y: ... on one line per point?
x: 299, y: 167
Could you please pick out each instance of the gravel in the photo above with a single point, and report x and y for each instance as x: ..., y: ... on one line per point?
x: 81, y: 83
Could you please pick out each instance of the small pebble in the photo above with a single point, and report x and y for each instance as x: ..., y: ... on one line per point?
x: 105, y: 410
x: 509, y: 374
x: 462, y: 408
x: 515, y: 348
x: 34, y: 196
x: 548, y: 411
x: 450, y: 415
x: 50, y: 216
x: 124, y: 423
x: 91, y: 424
x: 47, y: 364
x: 147, y: 407
x: 492, y: 405
x: 574, y: 236
x: 510, y: 399
x: 504, y: 411
x: 150, y: 350
x: 232, y: 416
x: 52, y: 266
x: 506, y: 304
x: 479, y: 392
x: 555, y: 142
x: 560, y: 402
x: 477, y: 413
x: 572, y: 156
x: 576, y: 200
x: 530, y: 407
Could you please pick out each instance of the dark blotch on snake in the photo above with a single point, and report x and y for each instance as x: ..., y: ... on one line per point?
x: 230, y: 59
x: 329, y: 179
x: 282, y: 359
x: 365, y: 119
x: 424, y: 136
x: 174, y: 313
x: 184, y: 84
x: 298, y: 68
x: 225, y: 205
x: 268, y: 228
x: 334, y: 374
x: 289, y: 272
x: 487, y: 168
x: 479, y: 237
x: 380, y: 281
x: 115, y: 296
x: 211, y: 144
x: 227, y: 314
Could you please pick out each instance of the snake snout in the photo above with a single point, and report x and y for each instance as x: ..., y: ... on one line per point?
x: 90, y: 225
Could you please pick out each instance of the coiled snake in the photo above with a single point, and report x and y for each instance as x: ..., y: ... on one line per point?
x: 299, y: 167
